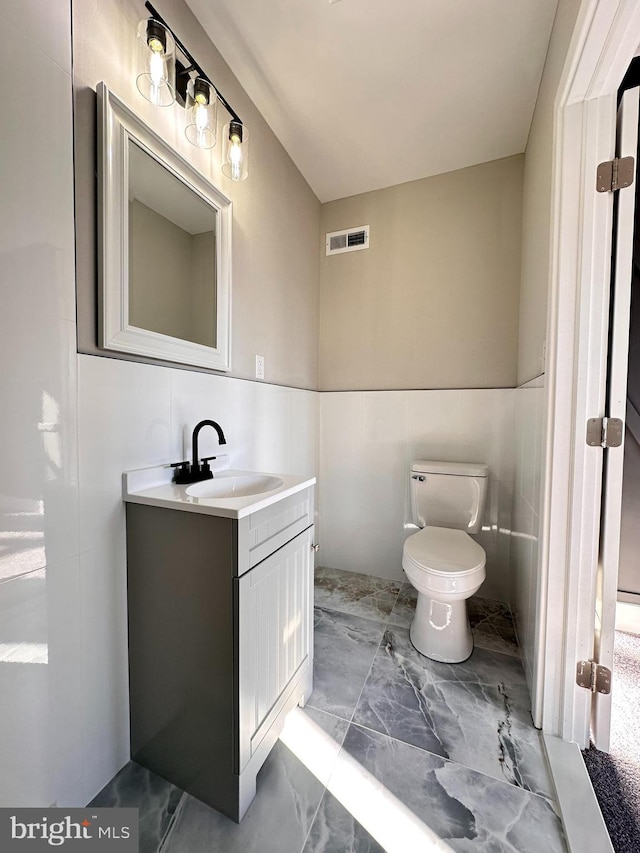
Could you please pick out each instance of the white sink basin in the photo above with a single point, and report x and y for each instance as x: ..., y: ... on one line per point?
x: 235, y: 486
x: 232, y: 493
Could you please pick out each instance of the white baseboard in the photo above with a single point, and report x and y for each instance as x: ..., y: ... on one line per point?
x: 582, y: 819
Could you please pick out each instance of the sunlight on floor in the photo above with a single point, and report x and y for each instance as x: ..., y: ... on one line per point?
x: 379, y: 811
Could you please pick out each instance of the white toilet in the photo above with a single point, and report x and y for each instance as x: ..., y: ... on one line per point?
x: 442, y: 561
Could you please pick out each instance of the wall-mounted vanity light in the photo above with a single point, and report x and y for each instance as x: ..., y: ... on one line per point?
x: 156, y: 80
x: 163, y: 79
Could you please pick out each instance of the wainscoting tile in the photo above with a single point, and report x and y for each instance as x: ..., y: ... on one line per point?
x: 475, y: 713
x: 468, y: 810
x: 157, y: 801
x: 345, y: 646
x: 351, y: 592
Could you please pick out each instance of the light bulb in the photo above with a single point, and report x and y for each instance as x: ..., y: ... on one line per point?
x: 235, y: 158
x: 236, y: 152
x: 202, y: 100
x: 156, y: 69
x: 201, y: 116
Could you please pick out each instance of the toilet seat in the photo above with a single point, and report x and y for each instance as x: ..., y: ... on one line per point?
x: 443, y: 551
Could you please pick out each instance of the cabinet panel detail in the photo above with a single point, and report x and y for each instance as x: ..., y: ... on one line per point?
x: 275, y: 636
x: 263, y: 532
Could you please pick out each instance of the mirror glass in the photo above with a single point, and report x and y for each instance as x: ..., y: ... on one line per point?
x: 165, y: 247
x: 172, y: 253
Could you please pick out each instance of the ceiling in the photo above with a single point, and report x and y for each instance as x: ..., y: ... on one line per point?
x: 365, y: 94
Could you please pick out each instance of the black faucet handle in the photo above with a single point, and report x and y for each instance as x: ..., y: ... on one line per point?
x: 182, y: 472
x: 205, y: 469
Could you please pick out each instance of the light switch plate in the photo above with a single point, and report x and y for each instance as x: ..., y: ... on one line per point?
x: 259, y: 367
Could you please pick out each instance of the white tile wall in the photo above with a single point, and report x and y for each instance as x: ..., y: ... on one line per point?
x: 71, y: 425
x: 529, y: 472
x: 40, y: 683
x: 267, y: 427
x: 368, y: 440
x: 124, y: 423
x: 133, y: 415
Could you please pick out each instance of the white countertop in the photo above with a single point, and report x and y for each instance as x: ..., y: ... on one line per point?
x: 154, y: 487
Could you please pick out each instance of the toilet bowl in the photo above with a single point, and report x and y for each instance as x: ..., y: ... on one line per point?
x: 444, y: 564
x: 446, y: 567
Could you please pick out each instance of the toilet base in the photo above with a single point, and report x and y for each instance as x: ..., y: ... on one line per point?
x: 440, y: 630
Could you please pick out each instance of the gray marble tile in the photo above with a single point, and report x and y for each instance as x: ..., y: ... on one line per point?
x: 470, y: 811
x: 491, y: 621
x: 492, y: 626
x: 352, y: 592
x: 335, y: 727
x: 405, y: 606
x: 277, y: 821
x: 345, y: 646
x: 476, y: 712
x: 335, y: 830
x: 157, y: 800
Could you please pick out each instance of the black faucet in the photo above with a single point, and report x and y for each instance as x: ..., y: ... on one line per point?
x: 199, y: 469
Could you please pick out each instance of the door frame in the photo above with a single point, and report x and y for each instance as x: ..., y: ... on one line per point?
x: 605, y: 39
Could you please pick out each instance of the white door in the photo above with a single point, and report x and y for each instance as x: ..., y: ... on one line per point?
x: 607, y: 585
x: 275, y: 636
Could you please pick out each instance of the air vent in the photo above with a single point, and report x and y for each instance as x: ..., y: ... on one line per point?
x: 351, y: 240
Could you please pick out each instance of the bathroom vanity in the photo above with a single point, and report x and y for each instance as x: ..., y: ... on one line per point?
x: 220, y: 600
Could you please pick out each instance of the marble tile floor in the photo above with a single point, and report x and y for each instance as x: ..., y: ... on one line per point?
x: 392, y: 748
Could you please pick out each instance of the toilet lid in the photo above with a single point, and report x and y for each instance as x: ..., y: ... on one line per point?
x: 444, y: 551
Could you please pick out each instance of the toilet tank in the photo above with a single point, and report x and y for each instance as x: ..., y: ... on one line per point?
x: 448, y: 494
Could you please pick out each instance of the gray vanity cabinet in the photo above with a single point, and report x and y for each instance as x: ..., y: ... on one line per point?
x: 220, y: 641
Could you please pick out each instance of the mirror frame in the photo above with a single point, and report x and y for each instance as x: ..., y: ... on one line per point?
x: 116, y: 125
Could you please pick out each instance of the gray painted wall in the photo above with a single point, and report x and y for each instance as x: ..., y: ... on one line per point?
x: 433, y: 303
x: 276, y: 215
x: 536, y: 209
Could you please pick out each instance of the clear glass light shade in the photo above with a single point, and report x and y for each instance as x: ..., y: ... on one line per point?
x: 202, y: 113
x: 235, y: 157
x: 156, y: 80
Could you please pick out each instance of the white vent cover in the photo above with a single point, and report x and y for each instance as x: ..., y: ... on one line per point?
x: 350, y: 240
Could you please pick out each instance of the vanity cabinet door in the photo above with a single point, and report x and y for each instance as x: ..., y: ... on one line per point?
x: 275, y: 639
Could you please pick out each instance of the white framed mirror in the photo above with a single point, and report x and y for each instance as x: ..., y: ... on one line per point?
x: 164, y: 236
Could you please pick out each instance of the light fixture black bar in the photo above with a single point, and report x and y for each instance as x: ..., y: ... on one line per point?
x: 155, y: 14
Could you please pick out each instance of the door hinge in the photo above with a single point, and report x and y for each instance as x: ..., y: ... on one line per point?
x: 594, y: 677
x: 604, y: 432
x: 615, y: 174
